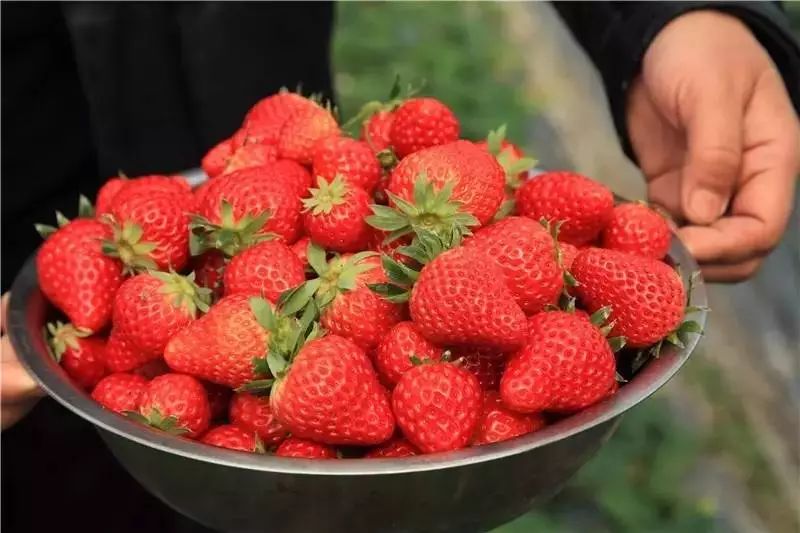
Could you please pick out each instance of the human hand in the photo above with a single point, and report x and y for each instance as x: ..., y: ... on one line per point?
x: 717, y: 139
x: 18, y: 391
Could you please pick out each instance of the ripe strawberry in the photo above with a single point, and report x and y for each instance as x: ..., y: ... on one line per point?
x: 232, y: 438
x: 264, y: 121
x: 305, y: 449
x: 120, y: 392
x: 294, y: 172
x: 568, y: 254
x: 219, y: 398
x: 331, y: 394
x: 498, y: 423
x: 646, y: 296
x: 584, y: 205
x: 249, y: 156
x: 460, y: 298
x: 437, y: 406
x: 123, y: 356
x: 393, y: 356
x: 376, y: 130
x: 421, y: 123
x: 209, y: 269
x: 526, y: 255
x: 107, y: 193
x: 151, y: 308
x: 152, y: 184
x: 175, y: 403
x: 334, y: 216
x: 81, y: 356
x: 254, y: 414
x: 269, y: 268
x: 220, y: 346
x: 637, y: 229
x: 487, y: 365
x: 352, y: 160
x: 75, y: 275
x: 477, y: 179
x: 566, y: 365
x: 397, y: 447
x: 216, y: 159
x: 301, y: 133
x: 510, y: 157
x: 300, y: 249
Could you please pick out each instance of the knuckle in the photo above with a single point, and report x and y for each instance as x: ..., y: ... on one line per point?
x: 719, y: 161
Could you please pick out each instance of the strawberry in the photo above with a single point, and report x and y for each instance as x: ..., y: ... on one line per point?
x: 76, y: 276
x: 151, y: 184
x: 81, y: 356
x: 498, y: 423
x: 526, y: 255
x: 305, y: 449
x: 177, y: 404
x: 376, y: 130
x: 646, y: 296
x: 219, y: 399
x: 584, y: 205
x: 269, y: 268
x: 397, y: 447
x: 301, y: 133
x: 254, y: 414
x: 352, y: 160
x: 123, y: 356
x: 637, y: 229
x: 209, y: 269
x: 510, y: 157
x: 149, y: 309
x: 107, y: 193
x: 264, y: 121
x: 300, y: 249
x: 487, y: 365
x: 232, y: 438
x: 568, y: 254
x: 249, y: 156
x: 393, y: 355
x: 566, y: 365
x: 334, y: 215
x: 216, y: 159
x: 421, y: 123
x: 294, y: 172
x: 437, y: 406
x: 331, y: 394
x: 120, y: 392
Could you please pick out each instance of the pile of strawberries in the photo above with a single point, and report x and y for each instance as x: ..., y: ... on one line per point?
x: 403, y: 293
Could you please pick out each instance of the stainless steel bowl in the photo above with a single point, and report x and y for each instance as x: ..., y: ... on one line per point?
x: 474, y: 489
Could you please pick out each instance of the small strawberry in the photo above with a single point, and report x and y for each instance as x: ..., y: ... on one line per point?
x: 300, y: 249
x: 268, y: 269
x: 219, y: 398
x: 397, y: 447
x: 305, y: 449
x: 301, y: 133
x: 487, y: 365
x: 264, y: 121
x: 352, y: 160
x: 216, y: 159
x: 254, y: 414
x: 566, y: 365
x: 510, y: 157
x: 209, y: 269
x: 637, y: 229
x: 437, y: 406
x: 584, y: 205
x: 81, y: 356
x: 393, y: 355
x: 376, y: 130
x: 334, y: 215
x: 175, y: 403
x: 120, y: 392
x: 421, y: 123
x: 232, y: 438
x: 151, y: 184
x: 498, y: 423
x: 123, y: 356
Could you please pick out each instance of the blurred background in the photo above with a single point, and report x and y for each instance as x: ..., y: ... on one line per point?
x: 717, y: 449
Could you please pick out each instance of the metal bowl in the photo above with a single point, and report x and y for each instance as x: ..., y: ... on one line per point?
x: 474, y: 489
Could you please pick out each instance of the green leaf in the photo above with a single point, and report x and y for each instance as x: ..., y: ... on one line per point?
x: 398, y: 272
x: 673, y: 339
x: 295, y: 299
x: 317, y: 258
x: 391, y: 292
x: 277, y: 364
x: 45, y: 230
x: 690, y: 326
x: 617, y: 343
x: 85, y: 207
x: 262, y: 310
x: 256, y: 386
x: 61, y: 219
x: 260, y: 366
x: 395, y: 90
x: 600, y: 316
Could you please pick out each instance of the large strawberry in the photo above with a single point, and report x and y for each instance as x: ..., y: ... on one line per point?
x: 393, y: 356
x: 584, y: 206
x: 175, y: 403
x: 437, y: 406
x: 421, y: 123
x: 268, y: 269
x: 233, y: 438
x: 376, y: 130
x: 498, y: 423
x: 646, y: 296
x: 331, y: 394
x: 305, y: 449
x: 637, y: 229
x: 301, y: 133
x: 120, y: 392
x: 526, y: 254
x: 120, y: 188
x: 353, y: 160
x: 254, y: 414
x: 397, y: 447
x: 335, y: 215
x: 81, y: 356
x: 566, y: 365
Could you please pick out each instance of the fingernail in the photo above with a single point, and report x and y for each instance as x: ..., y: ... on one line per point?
x: 706, y: 206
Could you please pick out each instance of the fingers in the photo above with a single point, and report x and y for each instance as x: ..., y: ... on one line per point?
x: 16, y: 385
x: 4, y: 312
x: 731, y: 273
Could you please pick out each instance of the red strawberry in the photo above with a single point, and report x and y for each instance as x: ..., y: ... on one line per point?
x: 219, y: 398
x: 269, y: 268
x: 331, y: 394
x: 421, y: 123
x: 461, y: 298
x: 334, y: 216
x: 294, y: 172
x: 120, y: 392
x: 301, y: 133
x: 477, y: 179
x: 81, y: 356
x: 249, y: 156
x: 526, y: 255
x: 216, y: 159
x: 487, y: 365
x: 305, y: 449
x: 352, y: 160
x: 566, y: 365
x: 397, y: 447
x: 153, y: 184
x: 151, y: 308
x: 510, y: 157
x: 123, y: 356
x: 232, y: 438
x: 498, y: 423
x: 378, y: 244
x: 393, y: 355
x: 107, y: 193
x: 646, y: 296
x: 437, y: 406
x: 300, y: 249
x: 75, y: 275
x: 637, y: 229
x: 568, y: 254
x: 264, y: 121
x: 254, y: 414
x: 584, y: 205
x: 209, y: 269
x: 376, y: 130
x: 176, y: 403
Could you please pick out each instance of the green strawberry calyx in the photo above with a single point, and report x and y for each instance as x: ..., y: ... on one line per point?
x: 397, y: 95
x: 184, y: 292
x: 127, y: 245
x: 167, y: 424
x: 85, y: 210
x: 554, y: 228
x: 231, y: 235
x: 326, y: 195
x: 61, y: 337
x: 513, y: 166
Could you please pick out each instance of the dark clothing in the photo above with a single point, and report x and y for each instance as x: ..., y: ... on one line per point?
x: 89, y: 89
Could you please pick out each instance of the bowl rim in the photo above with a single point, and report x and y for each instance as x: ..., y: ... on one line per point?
x: 31, y: 349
